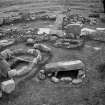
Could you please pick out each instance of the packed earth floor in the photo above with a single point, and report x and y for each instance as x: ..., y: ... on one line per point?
x: 19, y: 19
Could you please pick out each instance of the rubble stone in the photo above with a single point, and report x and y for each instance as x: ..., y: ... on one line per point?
x: 41, y: 75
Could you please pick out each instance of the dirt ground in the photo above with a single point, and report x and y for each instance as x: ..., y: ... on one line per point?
x: 33, y: 92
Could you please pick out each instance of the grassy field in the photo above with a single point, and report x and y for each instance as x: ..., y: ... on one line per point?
x: 33, y: 92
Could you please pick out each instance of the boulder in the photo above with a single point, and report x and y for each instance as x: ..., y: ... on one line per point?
x: 55, y: 80
x: 66, y: 79
x: 76, y: 81
x: 8, y: 86
x: 41, y: 75
x: 81, y: 72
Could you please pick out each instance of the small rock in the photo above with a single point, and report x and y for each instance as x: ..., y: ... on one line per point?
x: 8, y: 86
x: 42, y: 75
x: 97, y: 48
x: 66, y: 79
x: 44, y: 31
x: 54, y: 79
x: 81, y: 72
x: 12, y: 73
x: 32, y: 17
x: 30, y: 41
x: 84, y: 76
x: 76, y: 81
